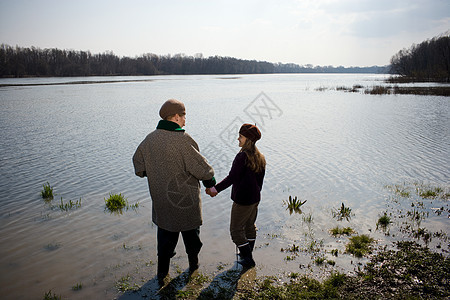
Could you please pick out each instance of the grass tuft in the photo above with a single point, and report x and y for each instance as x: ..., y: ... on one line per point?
x: 431, y: 192
x: 116, y: 202
x: 320, y: 260
x: 124, y: 284
x: 292, y: 249
x: 47, y: 192
x: 384, y: 221
x: 359, y: 245
x: 49, y: 296
x: 337, y: 231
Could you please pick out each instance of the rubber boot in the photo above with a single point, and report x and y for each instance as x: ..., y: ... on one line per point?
x: 193, y: 262
x: 247, y: 258
x: 163, y: 268
x: 252, y: 246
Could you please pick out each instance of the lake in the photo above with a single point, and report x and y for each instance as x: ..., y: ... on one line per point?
x: 322, y: 145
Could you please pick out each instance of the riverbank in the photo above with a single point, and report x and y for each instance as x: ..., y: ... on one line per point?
x: 442, y: 90
x: 396, y: 90
x: 409, y: 267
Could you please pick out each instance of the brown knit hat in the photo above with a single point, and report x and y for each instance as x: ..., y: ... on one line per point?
x: 251, y: 132
x: 171, y: 107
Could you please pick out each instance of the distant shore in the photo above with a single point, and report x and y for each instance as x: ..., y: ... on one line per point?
x: 74, y: 82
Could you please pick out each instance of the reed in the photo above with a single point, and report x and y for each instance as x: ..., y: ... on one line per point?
x: 135, y: 206
x: 343, y: 213
x: 294, y: 205
x: 378, y: 90
x: 69, y: 205
x: 308, y: 219
x: 353, y: 89
x: 293, y: 249
x: 384, y: 221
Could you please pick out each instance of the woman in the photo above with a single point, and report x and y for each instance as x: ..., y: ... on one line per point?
x: 246, y: 176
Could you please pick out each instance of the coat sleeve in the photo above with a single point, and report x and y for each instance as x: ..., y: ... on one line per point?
x: 138, y: 162
x: 197, y: 165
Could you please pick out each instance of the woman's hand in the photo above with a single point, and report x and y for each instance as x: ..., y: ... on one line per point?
x: 210, y: 192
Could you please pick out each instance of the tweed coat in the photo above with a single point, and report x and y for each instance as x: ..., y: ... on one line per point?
x: 173, y: 165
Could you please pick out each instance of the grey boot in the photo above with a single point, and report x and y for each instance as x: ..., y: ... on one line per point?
x: 247, y: 258
x: 252, y: 246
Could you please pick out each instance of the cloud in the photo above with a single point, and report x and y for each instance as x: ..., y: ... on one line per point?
x: 374, y: 19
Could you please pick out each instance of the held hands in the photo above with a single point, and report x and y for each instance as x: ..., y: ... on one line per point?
x: 210, y: 192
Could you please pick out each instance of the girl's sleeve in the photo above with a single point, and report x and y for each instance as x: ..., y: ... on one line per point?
x: 236, y: 171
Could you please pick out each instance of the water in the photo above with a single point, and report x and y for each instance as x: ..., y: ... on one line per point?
x: 328, y: 147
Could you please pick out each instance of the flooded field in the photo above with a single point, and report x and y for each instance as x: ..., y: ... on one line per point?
x: 377, y: 164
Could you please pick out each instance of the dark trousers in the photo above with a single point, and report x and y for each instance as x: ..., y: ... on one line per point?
x: 242, y: 224
x: 167, y: 241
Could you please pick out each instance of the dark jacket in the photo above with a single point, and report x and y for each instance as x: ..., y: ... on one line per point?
x: 247, y: 184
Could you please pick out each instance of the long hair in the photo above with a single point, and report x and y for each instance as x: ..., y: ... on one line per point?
x: 255, y: 159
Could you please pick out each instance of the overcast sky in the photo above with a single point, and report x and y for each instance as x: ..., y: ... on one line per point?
x: 318, y: 32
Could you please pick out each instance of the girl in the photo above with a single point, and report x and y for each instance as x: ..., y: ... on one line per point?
x: 246, y: 176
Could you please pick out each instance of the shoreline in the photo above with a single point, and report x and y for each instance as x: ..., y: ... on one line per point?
x: 411, y: 270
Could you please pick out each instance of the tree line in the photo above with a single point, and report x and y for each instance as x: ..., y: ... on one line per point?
x: 427, y: 61
x: 25, y: 62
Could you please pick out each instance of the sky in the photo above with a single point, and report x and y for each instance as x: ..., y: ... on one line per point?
x: 318, y: 32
